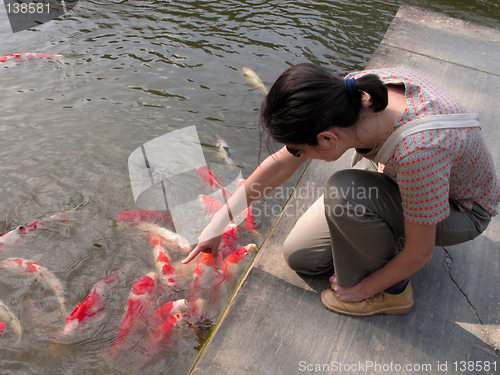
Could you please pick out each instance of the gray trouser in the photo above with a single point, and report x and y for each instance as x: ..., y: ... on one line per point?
x: 357, y: 226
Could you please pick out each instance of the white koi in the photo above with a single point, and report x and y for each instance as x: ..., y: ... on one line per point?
x: 253, y: 80
x: 16, y: 235
x: 29, y: 268
x: 174, y: 241
x: 225, y: 151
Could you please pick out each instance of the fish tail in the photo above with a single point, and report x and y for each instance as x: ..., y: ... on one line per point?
x: 253, y: 80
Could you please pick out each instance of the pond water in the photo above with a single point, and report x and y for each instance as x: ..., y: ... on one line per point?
x: 130, y: 72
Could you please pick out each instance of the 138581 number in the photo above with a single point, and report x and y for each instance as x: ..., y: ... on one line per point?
x: 475, y: 366
x: 28, y: 8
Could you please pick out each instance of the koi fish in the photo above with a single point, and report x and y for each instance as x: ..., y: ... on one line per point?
x: 166, y: 310
x: 91, y: 309
x: 139, y: 301
x: 231, y: 269
x: 250, y: 224
x: 253, y: 80
x: 229, y: 240
x: 198, y: 311
x: 7, y: 316
x: 174, y: 241
x: 161, y: 336
x: 150, y: 216
x: 15, y: 235
x: 23, y: 56
x: 212, y: 205
x: 11, y: 238
x: 230, y: 235
x: 232, y: 265
x: 204, y: 283
x: 210, y: 180
x: 207, y: 303
x: 225, y: 151
x: 29, y: 268
x: 162, y: 262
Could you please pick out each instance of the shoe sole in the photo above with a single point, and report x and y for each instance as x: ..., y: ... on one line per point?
x: 396, y: 310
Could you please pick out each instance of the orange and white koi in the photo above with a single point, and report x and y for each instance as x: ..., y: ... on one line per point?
x: 230, y: 235
x: 2, y: 328
x: 24, y: 56
x: 229, y: 240
x: 162, y: 262
x: 230, y: 271
x: 160, y: 338
x: 211, y: 204
x: 7, y: 317
x: 149, y: 216
x: 249, y: 218
x: 205, y: 278
x: 233, y: 263
x: 15, y: 235
x: 166, y: 310
x: 29, y: 268
x: 210, y: 180
x: 174, y: 241
x: 138, y: 303
x: 91, y: 309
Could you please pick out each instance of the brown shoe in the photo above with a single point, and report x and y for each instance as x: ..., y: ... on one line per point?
x: 381, y: 303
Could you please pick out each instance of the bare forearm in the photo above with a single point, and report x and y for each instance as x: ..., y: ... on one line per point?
x: 271, y: 173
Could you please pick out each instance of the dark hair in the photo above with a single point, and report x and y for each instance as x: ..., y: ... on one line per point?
x: 307, y: 99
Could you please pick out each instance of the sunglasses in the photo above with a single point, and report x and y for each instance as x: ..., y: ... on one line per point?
x: 294, y: 151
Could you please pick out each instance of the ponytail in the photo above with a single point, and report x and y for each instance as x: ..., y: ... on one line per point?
x: 373, y: 86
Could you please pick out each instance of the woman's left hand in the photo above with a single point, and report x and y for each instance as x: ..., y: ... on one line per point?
x: 350, y: 294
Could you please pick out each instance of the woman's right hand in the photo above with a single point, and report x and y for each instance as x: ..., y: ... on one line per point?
x: 208, y: 246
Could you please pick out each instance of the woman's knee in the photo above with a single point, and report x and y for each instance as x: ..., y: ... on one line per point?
x: 305, y: 260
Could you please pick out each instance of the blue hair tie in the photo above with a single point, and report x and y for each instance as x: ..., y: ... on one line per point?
x: 350, y: 86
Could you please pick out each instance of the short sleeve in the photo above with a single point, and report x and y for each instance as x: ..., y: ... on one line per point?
x: 423, y: 178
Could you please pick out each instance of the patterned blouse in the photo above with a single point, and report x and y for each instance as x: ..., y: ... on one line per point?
x: 435, y: 167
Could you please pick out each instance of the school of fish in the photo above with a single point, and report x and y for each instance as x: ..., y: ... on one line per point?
x: 147, y: 314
